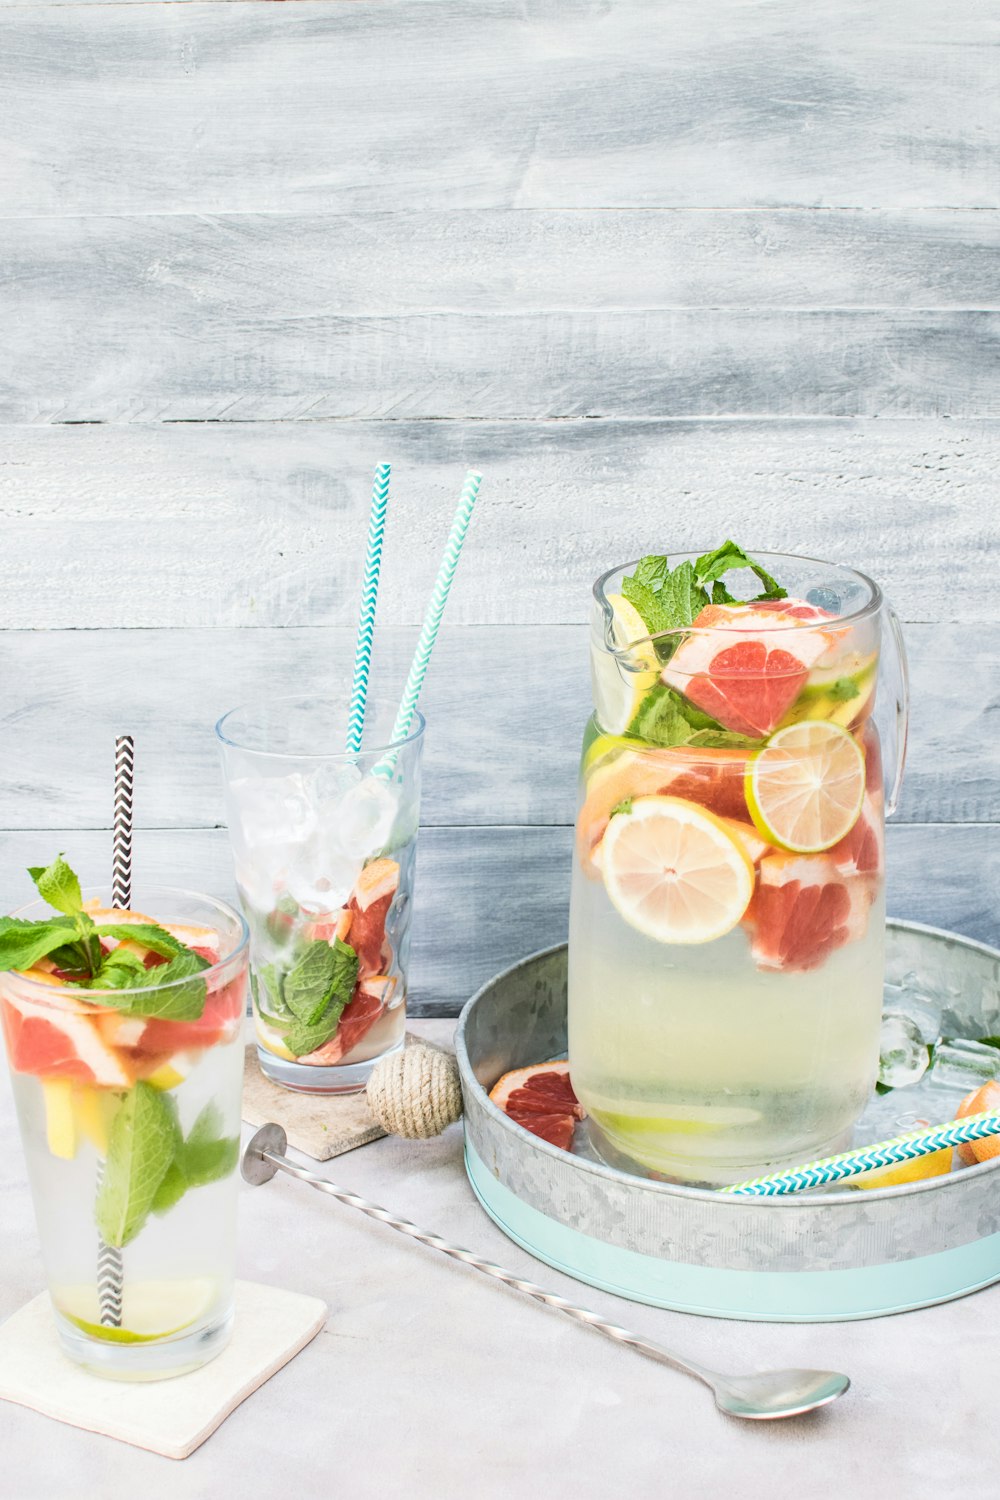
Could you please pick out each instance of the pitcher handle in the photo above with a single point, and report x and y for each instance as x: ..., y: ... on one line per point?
x: 899, y: 683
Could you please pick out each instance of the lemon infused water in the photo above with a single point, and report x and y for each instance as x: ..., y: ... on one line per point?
x: 127, y: 1082
x: 727, y: 909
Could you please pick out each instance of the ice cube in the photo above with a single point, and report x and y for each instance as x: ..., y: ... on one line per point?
x: 923, y: 1010
x: 360, y: 823
x: 272, y: 810
x: 903, y: 1054
x: 320, y: 878
x: 963, y: 1065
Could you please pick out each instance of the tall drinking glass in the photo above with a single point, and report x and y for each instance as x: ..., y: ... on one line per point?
x: 130, y: 1122
x: 324, y: 845
x: 727, y: 911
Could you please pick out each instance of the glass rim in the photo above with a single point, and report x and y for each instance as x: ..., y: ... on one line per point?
x: 345, y: 757
x: 51, y: 994
x: 873, y: 605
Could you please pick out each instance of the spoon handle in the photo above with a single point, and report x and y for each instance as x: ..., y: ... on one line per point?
x: 487, y: 1267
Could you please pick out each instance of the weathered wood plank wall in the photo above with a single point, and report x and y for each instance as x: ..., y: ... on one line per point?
x: 664, y: 271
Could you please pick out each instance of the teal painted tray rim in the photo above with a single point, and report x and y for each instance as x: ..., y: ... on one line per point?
x: 827, y: 1296
x: 798, y: 1201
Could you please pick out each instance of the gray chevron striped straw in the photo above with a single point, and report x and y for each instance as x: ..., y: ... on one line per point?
x: 110, y: 1268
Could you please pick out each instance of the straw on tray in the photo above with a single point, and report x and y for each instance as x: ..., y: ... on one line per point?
x: 432, y: 619
x: 110, y: 1268
x: 900, y: 1149
x: 369, y: 600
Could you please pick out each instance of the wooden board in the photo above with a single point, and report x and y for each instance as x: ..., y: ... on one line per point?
x: 506, y: 709
x: 115, y: 109
x: 485, y: 897
x: 263, y: 524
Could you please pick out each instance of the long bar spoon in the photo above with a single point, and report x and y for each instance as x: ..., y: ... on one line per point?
x: 772, y: 1393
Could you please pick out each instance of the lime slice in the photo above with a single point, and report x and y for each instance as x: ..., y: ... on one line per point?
x: 621, y: 682
x: 805, y: 787
x: 674, y: 872
x: 150, y: 1309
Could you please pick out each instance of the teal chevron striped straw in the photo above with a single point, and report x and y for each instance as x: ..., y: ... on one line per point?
x: 366, y: 619
x: 432, y: 619
x: 866, y: 1158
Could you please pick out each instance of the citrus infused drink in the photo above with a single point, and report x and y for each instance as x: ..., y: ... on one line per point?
x: 123, y: 1031
x: 727, y: 912
x: 324, y: 846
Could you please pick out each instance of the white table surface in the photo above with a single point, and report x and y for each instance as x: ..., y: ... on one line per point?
x: 430, y: 1382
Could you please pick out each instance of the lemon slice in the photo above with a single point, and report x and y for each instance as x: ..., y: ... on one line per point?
x: 621, y: 683
x: 674, y: 872
x: 805, y: 787
x: 935, y: 1164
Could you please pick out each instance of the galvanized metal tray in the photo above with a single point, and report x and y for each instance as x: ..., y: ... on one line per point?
x: 836, y: 1255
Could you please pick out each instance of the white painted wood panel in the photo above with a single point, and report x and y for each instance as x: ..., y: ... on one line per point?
x: 506, y: 708
x: 207, y: 107
x: 263, y: 524
x: 486, y: 897
x: 210, y: 269
x: 678, y: 363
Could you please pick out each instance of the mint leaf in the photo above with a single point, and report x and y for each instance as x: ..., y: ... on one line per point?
x: 149, y: 934
x: 308, y: 986
x: 323, y: 973
x: 301, y: 1039
x: 207, y: 1155
x: 58, y: 885
x: 666, y: 599
x: 24, y: 943
x: 136, y: 991
x: 843, y: 690
x: 142, y: 1143
x: 119, y: 970
x: 721, y: 739
x: 271, y: 1002
x: 624, y: 806
x: 713, y: 565
x: 170, y: 1191
x: 183, y: 1002
x: 309, y: 1034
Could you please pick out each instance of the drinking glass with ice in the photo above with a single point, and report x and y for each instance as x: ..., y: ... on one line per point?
x: 324, y: 845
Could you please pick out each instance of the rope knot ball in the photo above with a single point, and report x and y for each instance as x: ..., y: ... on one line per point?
x: 415, y: 1093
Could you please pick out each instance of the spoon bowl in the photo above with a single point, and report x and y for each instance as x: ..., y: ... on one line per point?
x: 777, y: 1393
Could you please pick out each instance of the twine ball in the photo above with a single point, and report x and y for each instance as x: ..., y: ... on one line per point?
x: 416, y: 1092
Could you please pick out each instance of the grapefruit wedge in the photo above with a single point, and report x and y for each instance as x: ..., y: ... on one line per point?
x: 803, y: 909
x: 541, y: 1098
x: 61, y: 1040
x: 747, y: 664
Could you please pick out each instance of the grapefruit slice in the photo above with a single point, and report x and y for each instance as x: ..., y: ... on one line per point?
x: 621, y: 682
x: 987, y: 1097
x: 803, y: 909
x: 369, y: 910
x: 860, y: 851
x: 540, y: 1098
x: 805, y: 788
x: 749, y: 682
x: 674, y: 871
x: 61, y: 1040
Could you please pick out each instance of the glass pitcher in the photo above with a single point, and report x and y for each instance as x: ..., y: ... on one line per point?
x: 727, y: 909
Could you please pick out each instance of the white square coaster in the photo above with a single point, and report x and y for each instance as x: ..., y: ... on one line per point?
x: 172, y: 1417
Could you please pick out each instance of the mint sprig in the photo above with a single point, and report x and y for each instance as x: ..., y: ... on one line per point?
x: 123, y: 984
x: 316, y: 991
x: 58, y: 885
x: 205, y: 1156
x: 672, y: 598
x: 22, y: 943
